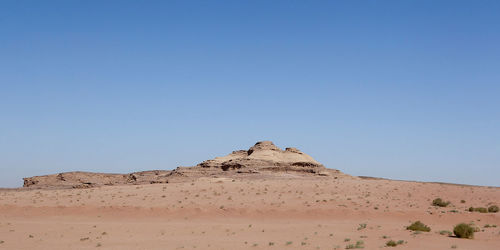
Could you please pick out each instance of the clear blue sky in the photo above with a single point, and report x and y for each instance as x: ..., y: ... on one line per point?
x: 397, y: 89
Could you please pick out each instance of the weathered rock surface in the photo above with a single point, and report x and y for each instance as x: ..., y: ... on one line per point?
x: 88, y: 179
x: 263, y: 159
x: 264, y: 156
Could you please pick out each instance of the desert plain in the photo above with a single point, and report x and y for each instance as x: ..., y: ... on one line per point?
x: 256, y: 208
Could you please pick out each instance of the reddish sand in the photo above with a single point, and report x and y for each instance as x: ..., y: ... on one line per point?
x: 222, y: 213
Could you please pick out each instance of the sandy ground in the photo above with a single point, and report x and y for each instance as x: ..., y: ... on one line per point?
x: 222, y: 213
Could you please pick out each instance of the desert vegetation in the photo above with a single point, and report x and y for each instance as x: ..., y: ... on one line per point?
x: 440, y: 203
x: 491, y: 209
x: 418, y: 226
x: 478, y: 209
x: 359, y: 244
x: 464, y: 230
x: 392, y: 243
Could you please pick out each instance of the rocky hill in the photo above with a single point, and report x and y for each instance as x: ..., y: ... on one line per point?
x: 263, y: 156
x: 263, y: 159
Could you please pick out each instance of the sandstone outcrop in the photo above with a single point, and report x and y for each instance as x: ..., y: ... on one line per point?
x: 265, y: 156
x: 263, y: 159
x: 88, y: 179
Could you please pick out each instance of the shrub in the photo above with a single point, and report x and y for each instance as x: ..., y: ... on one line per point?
x: 478, y: 209
x: 418, y: 226
x: 481, y: 209
x: 359, y: 244
x: 493, y: 209
x: 440, y: 203
x: 463, y: 230
x: 391, y: 243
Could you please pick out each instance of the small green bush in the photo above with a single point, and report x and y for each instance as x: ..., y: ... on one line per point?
x: 481, y: 209
x: 493, y: 209
x: 359, y: 244
x: 478, y: 209
x: 463, y: 230
x: 418, y: 226
x: 440, y: 203
x: 391, y: 243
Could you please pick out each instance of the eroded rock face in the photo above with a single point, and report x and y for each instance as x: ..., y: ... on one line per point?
x: 265, y: 156
x: 88, y: 179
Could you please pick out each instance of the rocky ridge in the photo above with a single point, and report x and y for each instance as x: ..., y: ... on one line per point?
x: 262, y: 159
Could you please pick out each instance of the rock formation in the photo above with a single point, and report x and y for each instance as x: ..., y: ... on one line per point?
x: 88, y: 179
x: 263, y: 158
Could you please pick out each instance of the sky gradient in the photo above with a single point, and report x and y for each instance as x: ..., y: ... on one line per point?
x: 397, y: 89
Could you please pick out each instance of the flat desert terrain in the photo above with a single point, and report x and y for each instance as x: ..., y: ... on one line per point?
x: 281, y: 211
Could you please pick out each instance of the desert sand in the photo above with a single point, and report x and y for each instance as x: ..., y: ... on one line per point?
x: 259, y: 202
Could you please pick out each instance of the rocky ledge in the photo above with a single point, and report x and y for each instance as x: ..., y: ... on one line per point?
x: 88, y: 179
